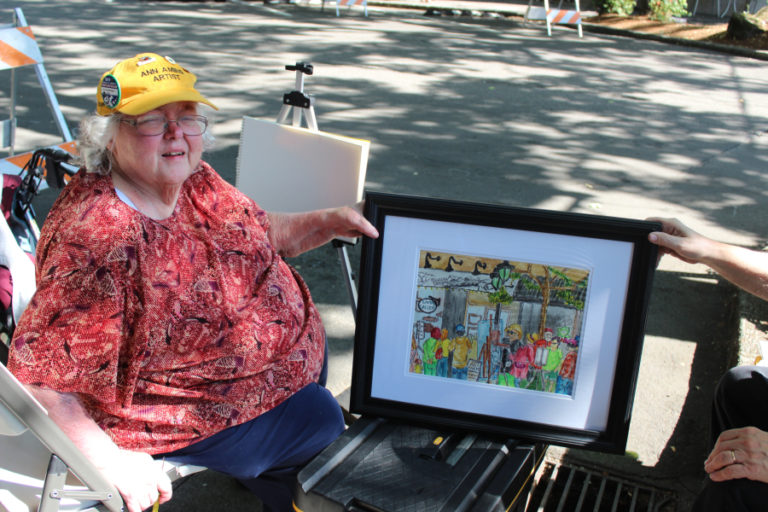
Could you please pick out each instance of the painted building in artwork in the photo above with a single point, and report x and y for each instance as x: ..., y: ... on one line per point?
x: 478, y: 298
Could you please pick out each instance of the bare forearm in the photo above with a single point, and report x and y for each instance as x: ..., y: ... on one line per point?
x: 294, y: 233
x: 69, y: 414
x: 288, y: 231
x: 745, y: 268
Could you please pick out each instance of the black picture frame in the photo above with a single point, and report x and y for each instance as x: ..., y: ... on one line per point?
x: 604, y: 265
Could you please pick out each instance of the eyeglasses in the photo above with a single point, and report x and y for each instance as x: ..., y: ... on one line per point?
x: 157, y: 125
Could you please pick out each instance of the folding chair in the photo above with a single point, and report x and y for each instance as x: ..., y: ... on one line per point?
x: 19, y: 412
x: 28, y: 437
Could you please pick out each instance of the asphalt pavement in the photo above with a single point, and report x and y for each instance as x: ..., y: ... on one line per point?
x: 486, y: 109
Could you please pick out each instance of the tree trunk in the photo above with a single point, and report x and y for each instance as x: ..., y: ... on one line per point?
x: 544, y: 284
x: 744, y: 26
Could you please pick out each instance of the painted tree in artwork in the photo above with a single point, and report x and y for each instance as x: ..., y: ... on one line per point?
x: 548, y: 280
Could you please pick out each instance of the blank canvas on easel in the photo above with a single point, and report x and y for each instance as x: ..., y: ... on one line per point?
x: 290, y: 169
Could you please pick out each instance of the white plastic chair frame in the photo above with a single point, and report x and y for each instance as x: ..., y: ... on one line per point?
x: 19, y: 411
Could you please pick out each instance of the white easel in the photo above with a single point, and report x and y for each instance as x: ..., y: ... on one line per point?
x: 303, y: 107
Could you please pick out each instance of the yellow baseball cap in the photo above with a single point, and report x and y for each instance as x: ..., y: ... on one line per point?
x: 143, y: 83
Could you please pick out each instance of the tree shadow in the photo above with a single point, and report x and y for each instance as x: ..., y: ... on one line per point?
x: 482, y: 110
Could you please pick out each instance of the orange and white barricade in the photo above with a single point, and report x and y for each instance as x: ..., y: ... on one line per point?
x: 555, y: 16
x: 18, y: 48
x: 350, y: 3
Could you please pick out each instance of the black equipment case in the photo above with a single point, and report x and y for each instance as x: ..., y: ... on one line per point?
x: 379, y: 465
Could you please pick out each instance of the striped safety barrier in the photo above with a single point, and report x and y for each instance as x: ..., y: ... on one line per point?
x: 18, y: 47
x: 350, y: 3
x: 554, y: 16
x: 563, y: 16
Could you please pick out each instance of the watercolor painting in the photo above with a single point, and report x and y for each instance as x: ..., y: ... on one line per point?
x: 499, y: 322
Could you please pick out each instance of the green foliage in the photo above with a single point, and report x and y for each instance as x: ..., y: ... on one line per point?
x: 620, y: 7
x: 500, y: 296
x: 568, y: 281
x: 663, y: 10
x: 526, y: 281
x: 567, y: 296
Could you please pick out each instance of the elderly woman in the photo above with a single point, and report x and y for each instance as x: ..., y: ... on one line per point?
x: 166, y: 323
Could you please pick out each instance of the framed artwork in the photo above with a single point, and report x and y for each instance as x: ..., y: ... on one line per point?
x: 511, y: 321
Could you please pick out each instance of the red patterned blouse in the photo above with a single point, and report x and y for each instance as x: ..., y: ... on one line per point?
x: 171, y: 330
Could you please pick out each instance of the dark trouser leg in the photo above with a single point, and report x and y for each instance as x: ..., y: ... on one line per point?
x: 267, y: 452
x: 740, y: 401
x: 732, y: 496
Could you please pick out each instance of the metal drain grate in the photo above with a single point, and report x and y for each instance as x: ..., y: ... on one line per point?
x: 564, y: 488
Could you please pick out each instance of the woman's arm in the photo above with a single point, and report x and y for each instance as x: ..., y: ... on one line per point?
x: 139, y: 478
x: 743, y: 267
x: 294, y: 233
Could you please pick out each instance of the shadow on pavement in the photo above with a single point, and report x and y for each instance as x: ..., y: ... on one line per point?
x: 714, y: 349
x: 483, y: 110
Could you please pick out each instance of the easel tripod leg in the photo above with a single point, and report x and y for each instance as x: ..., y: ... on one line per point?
x: 346, y: 270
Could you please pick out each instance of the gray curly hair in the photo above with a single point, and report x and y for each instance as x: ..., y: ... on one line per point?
x: 95, y: 134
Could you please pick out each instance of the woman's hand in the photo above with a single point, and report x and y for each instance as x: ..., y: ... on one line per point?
x: 140, y: 479
x: 739, y: 453
x: 294, y: 233
x: 744, y: 267
x: 681, y: 241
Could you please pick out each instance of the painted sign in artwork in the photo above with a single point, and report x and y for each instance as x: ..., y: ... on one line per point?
x: 499, y: 322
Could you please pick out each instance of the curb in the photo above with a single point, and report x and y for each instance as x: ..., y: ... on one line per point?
x: 706, y: 45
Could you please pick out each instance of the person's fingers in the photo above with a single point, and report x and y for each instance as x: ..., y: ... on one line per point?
x: 672, y: 226
x: 132, y: 504
x: 354, y: 224
x: 730, y: 472
x: 152, y: 498
x: 719, y: 459
x: 164, y: 486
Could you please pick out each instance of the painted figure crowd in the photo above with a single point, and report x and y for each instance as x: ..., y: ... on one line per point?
x: 546, y: 363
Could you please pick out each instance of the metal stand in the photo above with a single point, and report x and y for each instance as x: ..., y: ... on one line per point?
x: 302, y: 106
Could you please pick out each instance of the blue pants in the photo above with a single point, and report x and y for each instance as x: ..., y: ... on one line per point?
x: 460, y: 373
x: 266, y: 453
x: 442, y: 367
